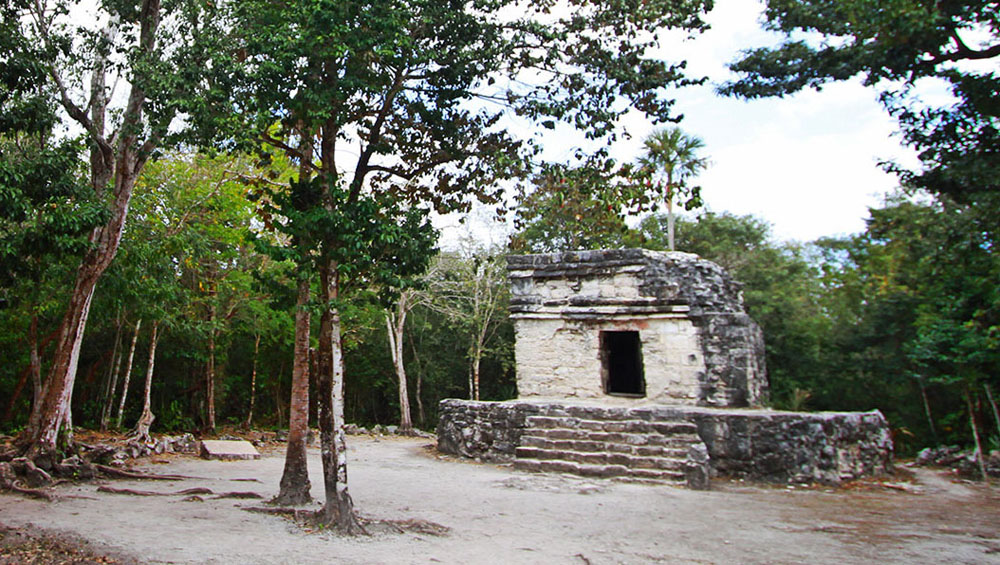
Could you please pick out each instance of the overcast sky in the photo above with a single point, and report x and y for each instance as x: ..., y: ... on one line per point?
x: 808, y: 164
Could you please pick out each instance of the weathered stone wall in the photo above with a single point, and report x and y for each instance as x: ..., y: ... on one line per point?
x: 766, y: 445
x: 825, y: 447
x: 698, y: 344
x: 560, y: 359
x: 487, y: 431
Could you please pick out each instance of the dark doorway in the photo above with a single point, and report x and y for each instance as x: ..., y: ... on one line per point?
x: 621, y: 359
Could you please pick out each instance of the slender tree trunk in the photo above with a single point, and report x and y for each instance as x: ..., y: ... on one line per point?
x: 420, y: 381
x: 314, y: 385
x: 253, y: 382
x: 670, y: 217
x: 476, y: 362
x: 975, y: 433
x: 35, y: 370
x: 128, y: 374
x: 141, y: 431
x: 927, y: 409
x: 395, y: 326
x: 294, y: 486
x: 210, y: 369
x: 993, y: 405
x: 339, y: 507
x: 112, y: 381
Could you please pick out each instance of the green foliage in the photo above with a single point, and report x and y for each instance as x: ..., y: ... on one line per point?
x: 571, y: 208
x: 892, y: 46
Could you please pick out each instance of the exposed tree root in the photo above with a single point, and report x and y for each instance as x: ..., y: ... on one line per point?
x: 240, y: 495
x: 316, y: 518
x: 111, y: 471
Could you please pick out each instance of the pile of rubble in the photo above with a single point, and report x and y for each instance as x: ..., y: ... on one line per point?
x: 965, y: 463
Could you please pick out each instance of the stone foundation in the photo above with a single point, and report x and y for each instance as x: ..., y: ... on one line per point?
x: 765, y: 445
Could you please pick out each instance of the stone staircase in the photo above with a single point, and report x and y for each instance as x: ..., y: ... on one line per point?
x: 614, y: 444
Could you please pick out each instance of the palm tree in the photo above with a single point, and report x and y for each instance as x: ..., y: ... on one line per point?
x: 671, y: 156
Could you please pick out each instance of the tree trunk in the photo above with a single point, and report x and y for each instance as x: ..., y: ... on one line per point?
x: 41, y: 438
x: 339, y: 508
x: 294, y: 486
x: 128, y: 374
x: 112, y: 381
x: 395, y: 326
x: 314, y: 385
x: 993, y: 405
x: 35, y: 370
x: 253, y: 382
x: 927, y: 408
x: 975, y: 434
x: 670, y: 217
x: 141, y: 431
x: 210, y: 370
x: 420, y: 382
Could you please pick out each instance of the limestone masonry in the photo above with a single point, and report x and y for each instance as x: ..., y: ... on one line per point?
x: 631, y: 323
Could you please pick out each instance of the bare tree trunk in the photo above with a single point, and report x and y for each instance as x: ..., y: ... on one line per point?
x: 35, y: 370
x: 670, y: 217
x: 210, y: 369
x: 253, y: 382
x: 112, y: 381
x: 339, y: 507
x: 294, y: 486
x: 975, y: 433
x: 477, y: 358
x: 314, y: 385
x: 395, y: 326
x: 993, y: 405
x: 42, y: 437
x: 420, y: 382
x: 141, y: 431
x: 927, y: 408
x: 128, y: 374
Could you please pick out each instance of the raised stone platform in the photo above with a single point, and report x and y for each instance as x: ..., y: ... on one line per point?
x: 228, y: 450
x: 627, y: 441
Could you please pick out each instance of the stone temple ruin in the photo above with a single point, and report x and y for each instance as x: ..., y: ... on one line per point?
x: 645, y: 365
x: 667, y: 328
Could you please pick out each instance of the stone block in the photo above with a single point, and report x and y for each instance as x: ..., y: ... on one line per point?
x: 228, y: 450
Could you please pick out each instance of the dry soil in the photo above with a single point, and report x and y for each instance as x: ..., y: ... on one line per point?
x: 494, y: 514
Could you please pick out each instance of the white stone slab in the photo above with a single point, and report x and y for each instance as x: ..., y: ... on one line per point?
x: 228, y: 449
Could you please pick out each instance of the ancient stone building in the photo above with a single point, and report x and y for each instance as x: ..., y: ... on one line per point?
x: 650, y: 326
x: 644, y: 365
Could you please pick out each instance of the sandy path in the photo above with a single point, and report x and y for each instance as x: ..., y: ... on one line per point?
x: 497, y: 515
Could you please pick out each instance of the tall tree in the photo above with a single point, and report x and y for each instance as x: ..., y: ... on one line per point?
x: 417, y: 89
x: 670, y: 158
x: 159, y: 51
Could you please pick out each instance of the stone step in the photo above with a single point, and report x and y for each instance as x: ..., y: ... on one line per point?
x: 646, y: 439
x: 632, y: 462
x: 600, y: 446
x: 620, y: 426
x: 602, y: 471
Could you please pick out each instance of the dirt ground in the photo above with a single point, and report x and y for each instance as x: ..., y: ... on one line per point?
x: 494, y: 514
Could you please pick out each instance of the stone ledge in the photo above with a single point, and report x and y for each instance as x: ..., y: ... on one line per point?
x: 766, y: 445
